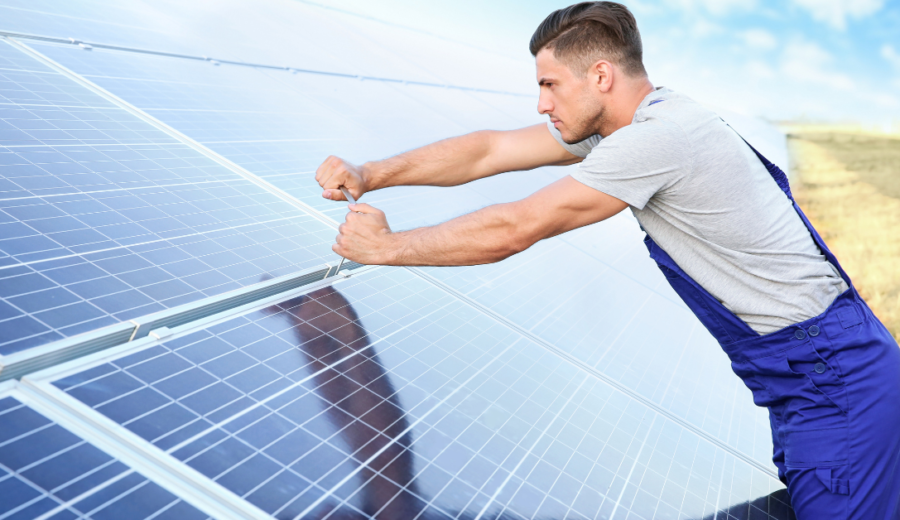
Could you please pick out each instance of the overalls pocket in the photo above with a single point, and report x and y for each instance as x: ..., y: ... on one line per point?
x: 802, y: 388
x: 816, y: 464
x: 809, y: 398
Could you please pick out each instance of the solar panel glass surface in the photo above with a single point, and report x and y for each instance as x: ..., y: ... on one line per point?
x: 47, y: 471
x: 105, y: 217
x: 386, y: 395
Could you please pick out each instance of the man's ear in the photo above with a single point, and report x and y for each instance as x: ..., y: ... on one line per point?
x: 603, y: 73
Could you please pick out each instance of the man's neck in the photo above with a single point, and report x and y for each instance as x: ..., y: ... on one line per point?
x: 621, y: 113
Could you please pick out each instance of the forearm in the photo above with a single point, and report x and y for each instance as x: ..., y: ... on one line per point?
x: 449, y: 162
x: 485, y: 236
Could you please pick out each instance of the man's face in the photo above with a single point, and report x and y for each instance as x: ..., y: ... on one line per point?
x: 572, y: 102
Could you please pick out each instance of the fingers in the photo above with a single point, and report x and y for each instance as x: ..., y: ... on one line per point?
x: 333, y: 195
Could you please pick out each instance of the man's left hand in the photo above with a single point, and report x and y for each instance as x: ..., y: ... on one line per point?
x: 365, y: 237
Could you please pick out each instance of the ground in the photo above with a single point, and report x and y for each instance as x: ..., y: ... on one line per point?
x: 848, y: 184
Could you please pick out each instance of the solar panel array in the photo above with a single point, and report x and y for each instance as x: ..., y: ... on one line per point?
x: 138, y: 176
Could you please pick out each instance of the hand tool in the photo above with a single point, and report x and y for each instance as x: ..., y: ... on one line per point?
x: 350, y: 198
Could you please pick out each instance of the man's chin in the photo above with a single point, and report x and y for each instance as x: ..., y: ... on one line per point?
x: 572, y: 140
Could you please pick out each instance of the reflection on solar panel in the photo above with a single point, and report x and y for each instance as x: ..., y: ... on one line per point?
x: 138, y: 176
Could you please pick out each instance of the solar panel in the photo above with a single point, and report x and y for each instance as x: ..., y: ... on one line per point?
x: 386, y: 394
x: 47, y: 471
x: 106, y: 218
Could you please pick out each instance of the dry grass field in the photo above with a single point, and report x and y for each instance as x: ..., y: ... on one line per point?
x: 848, y: 184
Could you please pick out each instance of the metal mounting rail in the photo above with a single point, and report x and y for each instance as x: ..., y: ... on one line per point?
x: 21, y: 363
x: 218, y: 61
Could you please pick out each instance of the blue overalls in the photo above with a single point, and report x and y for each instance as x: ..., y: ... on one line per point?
x: 832, y: 387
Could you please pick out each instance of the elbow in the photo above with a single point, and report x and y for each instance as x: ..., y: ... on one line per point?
x: 514, y: 234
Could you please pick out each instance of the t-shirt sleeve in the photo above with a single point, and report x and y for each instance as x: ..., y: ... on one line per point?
x: 581, y: 149
x: 636, y: 162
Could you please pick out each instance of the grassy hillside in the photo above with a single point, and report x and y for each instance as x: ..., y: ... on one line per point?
x: 849, y: 186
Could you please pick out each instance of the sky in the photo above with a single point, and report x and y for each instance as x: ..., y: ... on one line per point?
x: 835, y: 61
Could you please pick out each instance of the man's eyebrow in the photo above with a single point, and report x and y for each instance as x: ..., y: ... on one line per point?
x: 544, y: 79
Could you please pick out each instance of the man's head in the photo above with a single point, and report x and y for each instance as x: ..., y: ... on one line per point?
x: 587, y: 55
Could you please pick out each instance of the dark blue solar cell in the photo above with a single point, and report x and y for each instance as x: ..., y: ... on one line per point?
x: 110, y: 492
x: 211, y: 398
x: 103, y: 389
x: 20, y: 328
x: 132, y: 405
x: 19, y: 422
x: 181, y: 511
x: 244, y: 477
x: 77, y: 313
x: 14, y: 283
x: 183, y: 434
x: 221, y: 456
x: 46, y: 299
x: 140, y: 503
x: 185, y: 383
x: 34, y: 510
x: 68, y: 466
x: 14, y: 492
x: 160, y: 422
x: 39, y: 444
x: 159, y: 367
x: 281, y: 490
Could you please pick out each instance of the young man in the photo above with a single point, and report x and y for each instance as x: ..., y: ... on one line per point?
x: 721, y: 224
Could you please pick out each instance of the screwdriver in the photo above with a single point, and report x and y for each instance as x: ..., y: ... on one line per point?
x: 350, y: 198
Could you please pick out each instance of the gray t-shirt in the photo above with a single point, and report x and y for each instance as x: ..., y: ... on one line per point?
x: 702, y: 194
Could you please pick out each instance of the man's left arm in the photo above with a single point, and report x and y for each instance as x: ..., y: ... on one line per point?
x: 484, y: 236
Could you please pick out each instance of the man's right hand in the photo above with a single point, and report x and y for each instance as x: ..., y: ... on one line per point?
x: 335, y: 172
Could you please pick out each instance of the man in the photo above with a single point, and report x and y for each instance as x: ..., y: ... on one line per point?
x: 721, y: 224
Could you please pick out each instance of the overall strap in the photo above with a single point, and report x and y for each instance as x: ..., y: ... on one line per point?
x: 782, y: 180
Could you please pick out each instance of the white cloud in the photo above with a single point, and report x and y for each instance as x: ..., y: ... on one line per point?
x: 836, y: 12
x: 808, y: 63
x: 891, y: 55
x: 759, y: 70
x: 718, y: 7
x: 886, y: 100
x: 759, y: 39
x: 703, y: 28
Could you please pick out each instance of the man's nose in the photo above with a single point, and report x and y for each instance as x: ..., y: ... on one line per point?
x: 544, y: 106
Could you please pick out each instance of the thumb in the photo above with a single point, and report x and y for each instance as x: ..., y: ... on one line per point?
x: 364, y: 208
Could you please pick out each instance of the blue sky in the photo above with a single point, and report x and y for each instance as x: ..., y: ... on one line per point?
x: 819, y: 60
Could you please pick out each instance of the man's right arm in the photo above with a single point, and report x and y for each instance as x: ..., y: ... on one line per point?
x: 450, y: 162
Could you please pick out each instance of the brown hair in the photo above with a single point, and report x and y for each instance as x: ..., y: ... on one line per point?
x: 584, y: 33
